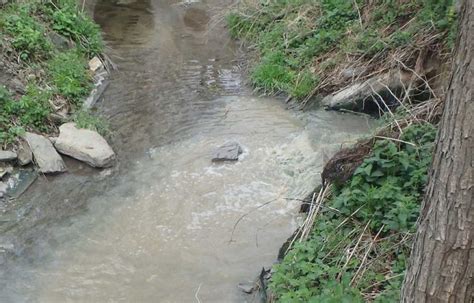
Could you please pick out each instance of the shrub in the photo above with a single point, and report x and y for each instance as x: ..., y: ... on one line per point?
x: 389, y: 184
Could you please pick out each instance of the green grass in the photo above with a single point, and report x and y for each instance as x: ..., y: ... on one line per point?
x: 382, y: 198
x: 86, y: 119
x: 294, y: 38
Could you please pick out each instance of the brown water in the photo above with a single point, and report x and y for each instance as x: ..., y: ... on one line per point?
x: 158, y: 227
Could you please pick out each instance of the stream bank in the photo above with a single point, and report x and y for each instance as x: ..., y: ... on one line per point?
x: 387, y: 58
x: 52, y: 70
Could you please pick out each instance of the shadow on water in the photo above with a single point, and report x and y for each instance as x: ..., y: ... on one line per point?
x: 156, y: 227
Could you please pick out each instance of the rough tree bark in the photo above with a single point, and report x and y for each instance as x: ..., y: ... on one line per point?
x: 442, y: 262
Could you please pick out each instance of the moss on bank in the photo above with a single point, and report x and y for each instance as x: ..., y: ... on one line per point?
x: 302, y: 45
x: 46, y: 47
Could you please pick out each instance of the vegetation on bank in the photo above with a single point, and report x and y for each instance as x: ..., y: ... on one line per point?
x: 361, y: 239
x: 355, y: 242
x: 302, y: 45
x: 45, y: 45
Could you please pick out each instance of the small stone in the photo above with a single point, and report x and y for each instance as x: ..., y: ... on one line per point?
x: 246, y: 288
x: 230, y: 151
x: 95, y: 64
x: 46, y: 157
x: 84, y: 145
x: 6, y: 155
x: 25, y: 156
x: 3, y: 189
x: 31, y: 77
x: 352, y: 72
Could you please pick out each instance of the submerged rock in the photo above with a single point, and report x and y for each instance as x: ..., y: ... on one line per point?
x: 6, y: 155
x: 46, y: 157
x: 230, y: 151
x: 3, y: 189
x: 20, y: 181
x: 84, y: 145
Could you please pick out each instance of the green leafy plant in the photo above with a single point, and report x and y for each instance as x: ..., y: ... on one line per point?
x: 28, y: 35
x: 32, y: 109
x: 73, y: 23
x: 69, y: 75
x: 381, y: 202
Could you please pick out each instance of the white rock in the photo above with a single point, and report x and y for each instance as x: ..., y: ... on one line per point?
x: 6, y: 155
x: 95, y: 64
x: 84, y: 145
x: 46, y: 157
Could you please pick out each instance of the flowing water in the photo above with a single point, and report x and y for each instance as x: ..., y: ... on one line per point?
x: 166, y: 224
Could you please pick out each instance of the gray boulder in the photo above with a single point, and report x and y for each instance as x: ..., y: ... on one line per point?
x: 356, y: 96
x: 84, y: 145
x: 46, y: 157
x: 230, y: 151
x: 6, y: 155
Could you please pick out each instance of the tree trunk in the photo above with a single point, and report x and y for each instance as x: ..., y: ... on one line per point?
x: 442, y: 261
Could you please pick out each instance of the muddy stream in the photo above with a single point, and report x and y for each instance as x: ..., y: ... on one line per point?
x: 158, y: 226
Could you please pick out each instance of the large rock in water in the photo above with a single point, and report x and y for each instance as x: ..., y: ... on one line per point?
x: 230, y: 151
x: 46, y: 157
x: 84, y: 145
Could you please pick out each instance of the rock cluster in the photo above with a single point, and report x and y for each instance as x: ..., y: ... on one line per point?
x: 81, y: 144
